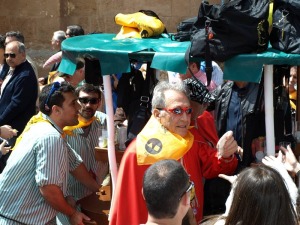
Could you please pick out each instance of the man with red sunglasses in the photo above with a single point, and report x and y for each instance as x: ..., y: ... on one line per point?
x: 167, y: 135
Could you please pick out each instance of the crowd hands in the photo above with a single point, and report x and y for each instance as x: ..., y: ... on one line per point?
x: 266, y: 190
x: 6, y: 132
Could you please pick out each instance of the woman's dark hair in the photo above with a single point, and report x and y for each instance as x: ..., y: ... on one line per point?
x: 261, y: 198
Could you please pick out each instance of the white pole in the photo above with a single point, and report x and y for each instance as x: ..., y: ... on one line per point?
x: 269, y: 109
x: 110, y: 130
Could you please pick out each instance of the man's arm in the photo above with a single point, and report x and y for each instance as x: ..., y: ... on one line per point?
x: 82, y: 175
x: 54, y: 197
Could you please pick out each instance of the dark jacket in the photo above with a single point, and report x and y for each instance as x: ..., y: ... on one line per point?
x: 4, y: 71
x: 253, y: 121
x: 252, y: 114
x: 18, y: 100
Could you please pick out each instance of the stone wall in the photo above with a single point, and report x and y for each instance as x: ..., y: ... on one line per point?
x: 38, y: 19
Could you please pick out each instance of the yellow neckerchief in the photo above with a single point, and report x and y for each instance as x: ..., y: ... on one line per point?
x: 293, y: 96
x: 35, y: 119
x: 82, y: 123
x: 155, y: 143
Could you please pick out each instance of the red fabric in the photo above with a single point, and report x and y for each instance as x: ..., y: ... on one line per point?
x: 128, y: 204
x: 207, y: 131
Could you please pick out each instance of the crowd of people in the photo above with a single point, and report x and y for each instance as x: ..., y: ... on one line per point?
x: 193, y: 158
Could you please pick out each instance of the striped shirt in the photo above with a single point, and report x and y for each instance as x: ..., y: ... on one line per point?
x: 85, y: 145
x: 41, y: 158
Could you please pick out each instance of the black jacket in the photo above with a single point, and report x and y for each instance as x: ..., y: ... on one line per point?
x: 253, y: 121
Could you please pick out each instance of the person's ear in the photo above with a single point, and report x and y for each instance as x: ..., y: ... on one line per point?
x: 143, y: 193
x: 156, y: 113
x: 56, y: 109
x: 186, y: 199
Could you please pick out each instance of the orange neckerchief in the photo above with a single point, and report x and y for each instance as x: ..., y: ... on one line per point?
x: 82, y: 123
x: 155, y: 143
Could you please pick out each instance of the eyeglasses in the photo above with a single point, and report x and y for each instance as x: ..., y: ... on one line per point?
x: 191, y: 188
x: 11, y: 55
x: 179, y: 110
x: 92, y: 101
x: 55, y: 87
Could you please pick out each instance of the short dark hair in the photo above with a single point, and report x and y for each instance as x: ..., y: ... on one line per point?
x: 88, y: 88
x: 17, y: 34
x: 164, y: 183
x: 75, y: 30
x: 56, y: 97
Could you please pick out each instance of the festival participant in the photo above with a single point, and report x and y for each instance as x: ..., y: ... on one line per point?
x: 167, y: 190
x: 34, y: 182
x: 167, y: 136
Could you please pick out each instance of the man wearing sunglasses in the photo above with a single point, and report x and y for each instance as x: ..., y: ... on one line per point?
x: 19, y: 91
x: 83, y: 138
x: 167, y: 190
x: 167, y: 135
x: 34, y: 182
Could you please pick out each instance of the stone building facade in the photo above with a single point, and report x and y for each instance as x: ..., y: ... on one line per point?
x: 38, y: 19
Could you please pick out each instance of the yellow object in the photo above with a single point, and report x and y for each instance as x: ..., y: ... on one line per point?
x: 82, y: 123
x: 35, y: 119
x: 128, y: 32
x: 293, y: 97
x: 270, y: 17
x: 147, y: 26
x: 155, y: 143
x: 52, y: 76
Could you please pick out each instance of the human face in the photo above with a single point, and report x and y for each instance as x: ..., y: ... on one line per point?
x: 55, y: 44
x: 293, y: 79
x: 175, y: 123
x: 69, y: 110
x: 87, y: 110
x: 12, y: 48
x: 68, y: 32
x: 77, y: 77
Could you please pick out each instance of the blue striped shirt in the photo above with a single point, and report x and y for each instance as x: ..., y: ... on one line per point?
x: 85, y: 145
x: 41, y: 158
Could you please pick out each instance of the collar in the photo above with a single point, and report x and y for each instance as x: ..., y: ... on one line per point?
x: 155, y: 143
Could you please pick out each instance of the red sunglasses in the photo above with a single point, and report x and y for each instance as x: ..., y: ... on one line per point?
x: 179, y: 110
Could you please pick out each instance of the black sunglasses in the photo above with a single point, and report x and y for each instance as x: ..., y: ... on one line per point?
x: 12, y: 55
x: 92, y: 101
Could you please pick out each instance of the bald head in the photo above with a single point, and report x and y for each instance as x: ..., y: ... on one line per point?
x: 15, y: 53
